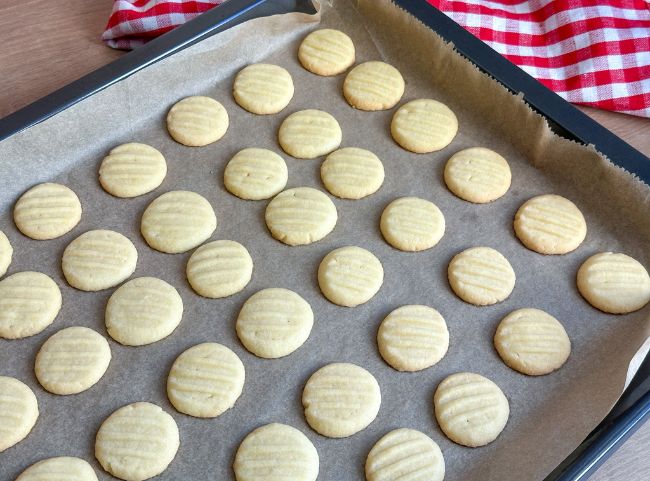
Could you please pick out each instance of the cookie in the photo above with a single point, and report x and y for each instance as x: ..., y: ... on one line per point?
x: 62, y: 468
x: 423, y: 126
x: 477, y: 175
x: 532, y: 342
x: 300, y: 216
x: 308, y: 134
x: 614, y: 283
x: 255, y: 174
x: 178, y: 221
x: 205, y: 380
x: 219, y: 269
x: 341, y: 399
x: 373, y: 86
x: 6, y: 253
x: 47, y: 211
x: 29, y: 302
x: 412, y: 338
x: 352, y: 173
x: 132, y: 169
x: 326, y: 52
x: 350, y: 276
x: 274, y: 322
x: 197, y: 121
x: 471, y: 410
x: 72, y: 360
x: 412, y: 224
x: 98, y: 259
x: 18, y: 411
x: 263, y: 88
x: 481, y: 276
x: 142, y: 311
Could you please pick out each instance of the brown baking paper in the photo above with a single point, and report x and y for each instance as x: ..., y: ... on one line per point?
x: 550, y: 415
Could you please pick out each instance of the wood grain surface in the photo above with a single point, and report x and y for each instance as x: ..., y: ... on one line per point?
x: 47, y: 44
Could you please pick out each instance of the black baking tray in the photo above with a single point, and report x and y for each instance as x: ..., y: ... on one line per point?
x: 634, y: 406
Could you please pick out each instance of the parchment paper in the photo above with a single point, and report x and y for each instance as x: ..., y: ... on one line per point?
x: 550, y: 415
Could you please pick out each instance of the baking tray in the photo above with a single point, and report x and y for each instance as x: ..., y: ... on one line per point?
x: 634, y: 405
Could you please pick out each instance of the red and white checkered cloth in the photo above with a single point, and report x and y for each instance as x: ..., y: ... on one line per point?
x: 591, y: 52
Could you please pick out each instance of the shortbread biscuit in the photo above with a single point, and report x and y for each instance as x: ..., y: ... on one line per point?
x: 532, y: 342
x: 99, y: 259
x: 29, y: 302
x: 263, y: 88
x: 350, y: 276
x: 412, y: 224
x: 64, y: 468
x: 308, y: 134
x: 274, y: 322
x: 137, y: 442
x: 255, y: 174
x: 412, y: 338
x: 424, y: 125
x: 352, y: 173
x: 197, y: 121
x: 373, y: 86
x: 132, y: 169
x: 205, y: 380
x: 18, y: 411
x: 6, y: 253
x: 481, y: 276
x: 614, y: 283
x: 72, y: 360
x: 326, y: 52
x: 477, y: 175
x: 471, y: 410
x: 142, y: 311
x: 178, y: 221
x: 47, y: 211
x: 219, y: 269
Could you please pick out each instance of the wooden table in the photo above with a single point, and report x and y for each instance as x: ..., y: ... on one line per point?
x: 48, y: 44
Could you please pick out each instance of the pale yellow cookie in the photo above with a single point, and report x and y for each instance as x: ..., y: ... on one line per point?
x: 424, y: 125
x: 6, y: 253
x: 178, y: 221
x: 373, y: 86
x: 197, y: 121
x: 481, y: 276
x: 255, y: 174
x: 142, y: 311
x: 308, y: 134
x: 18, y: 411
x: 47, y: 211
x: 412, y: 224
x: 471, y: 410
x: 219, y: 269
x: 614, y: 283
x: 29, y: 302
x: 132, y: 169
x: 263, y: 88
x: 350, y: 276
x: 477, y: 175
x: 205, y: 380
x: 64, y: 468
x: 326, y: 52
x: 352, y: 173
x: 72, y: 360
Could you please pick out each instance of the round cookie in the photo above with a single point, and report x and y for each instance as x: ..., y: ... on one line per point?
x: 614, y: 283
x: 47, y: 211
x: 64, y: 468
x: 274, y: 322
x: 72, y: 360
x: 142, y: 311
x: 219, y: 269
x: 137, y: 442
x: 6, y: 253
x: 300, y: 216
x: 412, y: 338
x: 263, y: 88
x: 350, y: 276
x: 197, y: 121
x: 29, y: 302
x: 326, y: 52
x: 205, y: 380
x: 471, y: 410
x: 18, y: 411
x: 532, y: 342
x: 255, y: 174
x: 308, y: 134
x: 98, y: 259
x: 132, y: 169
x: 352, y: 173
x: 178, y: 221
x: 412, y: 224
x: 276, y: 451
x: 550, y: 224
x: 477, y: 175
x: 481, y: 276
x: 423, y: 126
x: 373, y: 86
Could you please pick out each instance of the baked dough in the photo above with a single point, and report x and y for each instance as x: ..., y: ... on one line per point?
x: 352, y: 173
x: 6, y: 253
x: 197, y: 121
x: 477, y: 175
x: 18, y: 411
x: 326, y: 52
x: 263, y: 88
x: 64, y: 468
x: 308, y: 134
x: 255, y: 174
x: 219, y: 269
x: 373, y: 86
x: 412, y: 224
x: 423, y: 126
x: 132, y: 169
